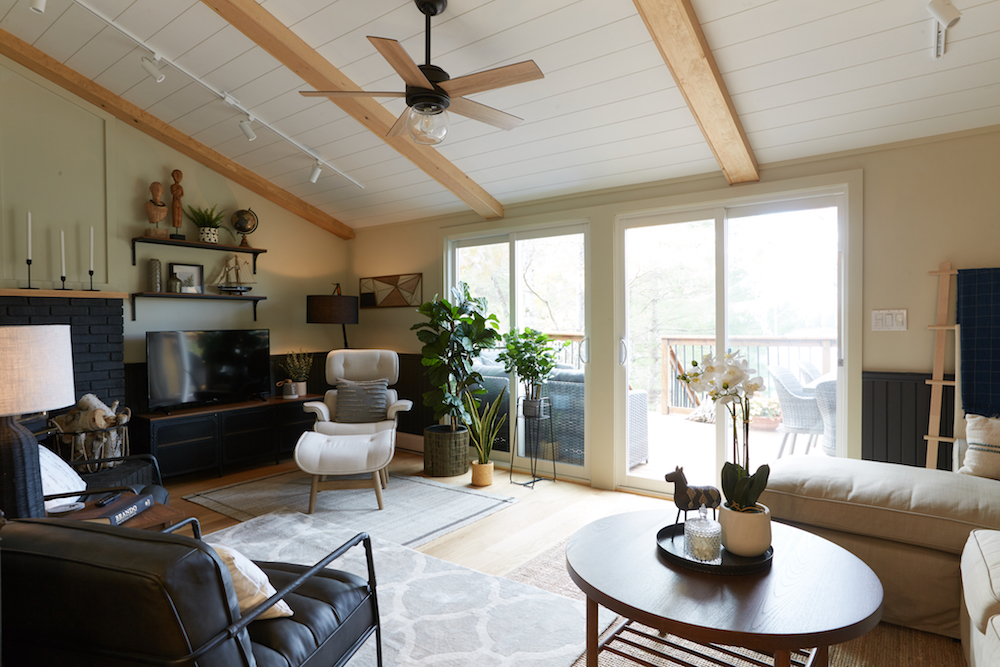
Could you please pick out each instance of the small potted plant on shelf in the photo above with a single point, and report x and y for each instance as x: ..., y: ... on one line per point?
x: 453, y: 335
x: 532, y: 355
x: 209, y: 223
x: 483, y: 428
x: 298, y: 366
x: 728, y: 381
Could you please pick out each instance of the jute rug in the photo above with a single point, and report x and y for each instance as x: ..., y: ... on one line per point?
x: 417, y: 510
x: 885, y: 646
x: 433, y: 612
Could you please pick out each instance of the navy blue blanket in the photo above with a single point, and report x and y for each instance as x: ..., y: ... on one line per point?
x: 978, y: 314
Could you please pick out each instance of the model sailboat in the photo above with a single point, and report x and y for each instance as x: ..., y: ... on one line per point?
x: 235, y: 277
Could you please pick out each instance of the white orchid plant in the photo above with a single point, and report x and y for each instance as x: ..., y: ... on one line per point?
x: 729, y: 381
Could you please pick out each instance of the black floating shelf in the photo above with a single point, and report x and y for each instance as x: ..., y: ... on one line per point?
x: 198, y: 244
x: 185, y: 295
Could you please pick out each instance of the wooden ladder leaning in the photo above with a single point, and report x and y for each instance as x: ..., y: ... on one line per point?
x: 937, y: 381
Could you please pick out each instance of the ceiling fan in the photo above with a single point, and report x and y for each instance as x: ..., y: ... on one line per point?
x: 429, y: 89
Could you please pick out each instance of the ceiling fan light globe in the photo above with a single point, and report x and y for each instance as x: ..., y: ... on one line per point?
x: 427, y: 128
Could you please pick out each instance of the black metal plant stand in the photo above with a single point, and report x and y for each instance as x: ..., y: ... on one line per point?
x: 534, y: 428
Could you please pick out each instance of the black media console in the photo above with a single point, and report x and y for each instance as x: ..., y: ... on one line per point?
x: 219, y: 437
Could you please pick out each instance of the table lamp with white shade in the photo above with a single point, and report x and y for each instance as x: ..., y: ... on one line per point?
x: 36, y: 375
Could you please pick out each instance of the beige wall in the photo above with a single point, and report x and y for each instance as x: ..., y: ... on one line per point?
x: 75, y: 166
x: 924, y: 202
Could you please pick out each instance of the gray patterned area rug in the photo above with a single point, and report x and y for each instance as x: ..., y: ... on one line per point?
x: 417, y: 510
x: 433, y: 612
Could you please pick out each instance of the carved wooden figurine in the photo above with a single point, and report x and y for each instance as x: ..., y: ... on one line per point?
x: 692, y: 497
x: 156, y: 211
x: 176, y: 207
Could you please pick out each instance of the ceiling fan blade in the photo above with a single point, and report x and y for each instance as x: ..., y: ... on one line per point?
x: 398, y: 128
x: 492, y: 78
x: 392, y: 51
x: 348, y: 93
x: 483, y: 113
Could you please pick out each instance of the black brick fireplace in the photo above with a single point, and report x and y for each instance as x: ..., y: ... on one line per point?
x: 97, y: 327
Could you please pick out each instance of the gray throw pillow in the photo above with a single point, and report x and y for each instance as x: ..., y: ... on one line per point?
x: 361, y: 402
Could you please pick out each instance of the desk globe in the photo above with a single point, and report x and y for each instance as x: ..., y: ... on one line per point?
x: 245, y: 222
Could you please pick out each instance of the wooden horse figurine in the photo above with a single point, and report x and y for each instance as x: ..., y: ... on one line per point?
x: 692, y: 497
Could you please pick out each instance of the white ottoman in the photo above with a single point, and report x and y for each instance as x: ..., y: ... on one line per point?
x: 323, y: 455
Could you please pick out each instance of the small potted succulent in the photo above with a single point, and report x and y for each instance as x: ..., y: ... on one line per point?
x: 483, y: 428
x: 532, y: 355
x: 209, y: 223
x: 298, y: 366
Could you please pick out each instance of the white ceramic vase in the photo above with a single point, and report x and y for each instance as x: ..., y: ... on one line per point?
x: 746, y: 533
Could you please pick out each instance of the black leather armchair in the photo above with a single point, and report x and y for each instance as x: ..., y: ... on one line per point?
x: 77, y: 594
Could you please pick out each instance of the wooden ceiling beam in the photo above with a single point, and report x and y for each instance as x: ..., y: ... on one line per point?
x: 72, y: 81
x: 677, y: 33
x: 289, y: 49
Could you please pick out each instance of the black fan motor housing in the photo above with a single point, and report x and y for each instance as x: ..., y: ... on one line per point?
x: 431, y: 7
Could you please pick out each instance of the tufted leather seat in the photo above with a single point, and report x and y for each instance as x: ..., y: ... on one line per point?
x: 78, y: 594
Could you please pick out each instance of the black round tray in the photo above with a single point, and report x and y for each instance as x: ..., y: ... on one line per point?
x: 670, y: 542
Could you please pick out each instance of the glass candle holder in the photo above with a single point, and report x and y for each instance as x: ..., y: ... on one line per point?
x: 703, y: 538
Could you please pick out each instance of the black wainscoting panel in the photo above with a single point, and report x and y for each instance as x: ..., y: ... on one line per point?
x: 412, y: 385
x: 895, y: 413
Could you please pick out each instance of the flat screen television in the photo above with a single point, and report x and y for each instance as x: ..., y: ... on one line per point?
x: 188, y: 368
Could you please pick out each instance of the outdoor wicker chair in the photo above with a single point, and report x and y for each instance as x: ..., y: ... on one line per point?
x: 799, y: 412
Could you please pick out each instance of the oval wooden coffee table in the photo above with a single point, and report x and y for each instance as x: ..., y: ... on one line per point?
x: 814, y: 595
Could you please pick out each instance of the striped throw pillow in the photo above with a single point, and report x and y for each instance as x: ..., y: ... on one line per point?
x: 983, y: 456
x: 361, y: 402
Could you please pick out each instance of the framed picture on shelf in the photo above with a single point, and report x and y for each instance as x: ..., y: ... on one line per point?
x: 192, y: 277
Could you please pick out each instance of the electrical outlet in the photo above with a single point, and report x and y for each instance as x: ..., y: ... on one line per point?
x: 889, y: 320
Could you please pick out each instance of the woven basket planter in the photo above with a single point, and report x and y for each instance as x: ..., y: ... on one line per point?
x: 446, y: 453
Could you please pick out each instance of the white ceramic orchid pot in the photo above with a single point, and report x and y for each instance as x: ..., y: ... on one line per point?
x: 746, y: 533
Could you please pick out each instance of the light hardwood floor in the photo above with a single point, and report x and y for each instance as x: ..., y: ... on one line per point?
x: 542, y: 518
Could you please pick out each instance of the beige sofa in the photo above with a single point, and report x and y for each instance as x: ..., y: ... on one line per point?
x: 908, y: 524
x: 981, y: 612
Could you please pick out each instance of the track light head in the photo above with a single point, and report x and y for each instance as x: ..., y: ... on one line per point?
x: 153, y: 70
x: 944, y: 12
x: 247, y: 128
x: 38, y: 6
x: 316, y: 171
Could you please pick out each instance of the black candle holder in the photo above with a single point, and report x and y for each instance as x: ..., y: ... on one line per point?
x: 63, y: 279
x: 29, y: 275
x: 91, y: 272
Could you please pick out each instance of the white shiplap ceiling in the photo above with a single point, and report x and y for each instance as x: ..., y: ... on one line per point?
x: 806, y: 77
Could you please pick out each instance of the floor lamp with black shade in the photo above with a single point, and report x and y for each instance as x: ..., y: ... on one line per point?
x: 36, y: 375
x: 332, y: 309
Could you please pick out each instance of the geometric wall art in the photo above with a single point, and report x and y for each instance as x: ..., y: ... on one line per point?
x: 404, y: 290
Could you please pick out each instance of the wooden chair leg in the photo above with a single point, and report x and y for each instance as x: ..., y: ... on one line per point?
x: 377, y: 483
x: 312, y: 493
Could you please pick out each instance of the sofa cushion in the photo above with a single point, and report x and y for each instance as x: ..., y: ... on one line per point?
x: 935, y: 509
x: 330, y: 601
x: 982, y: 458
x: 981, y: 577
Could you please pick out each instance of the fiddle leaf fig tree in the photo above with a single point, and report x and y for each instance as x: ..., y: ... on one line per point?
x: 453, y: 336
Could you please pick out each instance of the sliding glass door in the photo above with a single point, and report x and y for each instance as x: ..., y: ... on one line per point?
x: 762, y: 281
x: 535, y: 279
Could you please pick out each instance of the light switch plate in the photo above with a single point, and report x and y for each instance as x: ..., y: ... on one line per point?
x: 889, y: 320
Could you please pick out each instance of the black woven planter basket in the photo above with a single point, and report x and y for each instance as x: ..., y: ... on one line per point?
x: 446, y: 453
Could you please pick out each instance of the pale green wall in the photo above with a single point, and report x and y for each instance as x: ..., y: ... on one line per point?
x: 54, y: 152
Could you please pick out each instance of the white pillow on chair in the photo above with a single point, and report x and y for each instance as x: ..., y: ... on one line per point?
x: 58, y: 477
